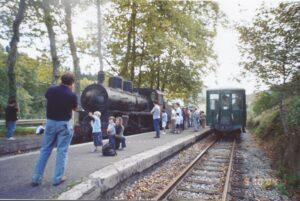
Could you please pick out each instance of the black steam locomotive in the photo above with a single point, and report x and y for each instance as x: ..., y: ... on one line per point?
x: 119, y: 99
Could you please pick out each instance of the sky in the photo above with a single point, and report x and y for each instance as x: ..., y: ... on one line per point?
x: 226, y: 42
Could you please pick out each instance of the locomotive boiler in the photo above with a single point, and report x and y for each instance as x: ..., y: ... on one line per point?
x: 118, y: 99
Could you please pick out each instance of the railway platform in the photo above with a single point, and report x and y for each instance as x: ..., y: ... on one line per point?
x: 20, y: 144
x: 89, y: 174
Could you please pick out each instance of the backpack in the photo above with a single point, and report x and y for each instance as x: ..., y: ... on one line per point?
x: 108, y: 150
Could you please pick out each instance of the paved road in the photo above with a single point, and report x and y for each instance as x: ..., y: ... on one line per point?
x: 16, y: 171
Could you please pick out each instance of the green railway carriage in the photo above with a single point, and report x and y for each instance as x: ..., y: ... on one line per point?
x: 226, y: 109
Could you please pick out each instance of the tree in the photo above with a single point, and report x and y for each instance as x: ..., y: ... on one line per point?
x: 73, y: 49
x: 270, y: 48
x: 45, y: 5
x: 165, y: 45
x: 13, y: 49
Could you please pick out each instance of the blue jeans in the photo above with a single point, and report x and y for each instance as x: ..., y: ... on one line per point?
x: 156, y: 127
x: 11, y: 127
x: 97, y: 139
x: 112, y: 141
x: 196, y: 124
x: 58, y: 133
x: 122, y: 139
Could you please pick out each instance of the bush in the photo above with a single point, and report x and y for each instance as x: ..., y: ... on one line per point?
x: 294, y: 113
x: 266, y: 123
x: 265, y: 101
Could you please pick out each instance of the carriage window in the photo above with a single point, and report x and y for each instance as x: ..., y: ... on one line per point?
x: 225, y: 101
x: 236, y: 102
x: 214, y: 98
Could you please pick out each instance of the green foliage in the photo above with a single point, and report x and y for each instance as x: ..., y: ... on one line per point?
x: 270, y: 45
x: 281, y: 187
x: 264, y: 123
x: 294, y: 113
x: 265, y: 101
x: 165, y: 45
x: 289, y: 181
x: 33, y: 77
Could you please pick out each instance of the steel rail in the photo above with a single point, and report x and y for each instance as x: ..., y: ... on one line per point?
x: 228, y: 175
x: 164, y: 193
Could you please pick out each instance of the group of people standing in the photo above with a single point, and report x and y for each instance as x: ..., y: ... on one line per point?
x: 198, y: 119
x: 180, y: 118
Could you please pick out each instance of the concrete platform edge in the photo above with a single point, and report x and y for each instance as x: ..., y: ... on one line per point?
x: 108, y: 177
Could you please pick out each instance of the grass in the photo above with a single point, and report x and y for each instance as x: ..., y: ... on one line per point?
x: 20, y: 131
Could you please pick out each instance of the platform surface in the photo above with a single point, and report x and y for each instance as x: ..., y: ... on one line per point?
x: 16, y: 171
x: 21, y: 144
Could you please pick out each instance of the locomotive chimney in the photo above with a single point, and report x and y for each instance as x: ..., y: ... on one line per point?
x: 101, y: 77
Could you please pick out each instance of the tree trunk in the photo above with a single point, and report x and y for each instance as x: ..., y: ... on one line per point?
x: 51, y: 34
x: 124, y: 70
x: 68, y: 22
x: 152, y: 78
x: 164, y: 80
x: 283, y: 113
x: 140, y: 67
x: 99, y: 36
x: 133, y: 52
x: 158, y: 74
x: 13, y: 51
x: 282, y: 102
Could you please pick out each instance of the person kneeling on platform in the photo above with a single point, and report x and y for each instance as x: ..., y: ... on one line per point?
x: 120, y: 133
x: 111, y: 131
x: 40, y: 129
x: 96, y: 129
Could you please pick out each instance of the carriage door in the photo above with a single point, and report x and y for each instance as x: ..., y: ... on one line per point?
x: 225, y: 110
x: 213, y: 108
x: 237, y: 108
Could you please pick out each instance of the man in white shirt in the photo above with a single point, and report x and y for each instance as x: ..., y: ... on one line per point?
x: 173, y: 119
x: 156, y: 118
x: 178, y: 109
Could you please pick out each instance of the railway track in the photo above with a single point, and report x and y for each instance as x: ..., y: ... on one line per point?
x: 207, y: 177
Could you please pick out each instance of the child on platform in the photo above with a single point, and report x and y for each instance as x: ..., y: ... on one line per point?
x: 111, y: 131
x: 96, y: 129
x: 120, y: 131
x: 164, y: 119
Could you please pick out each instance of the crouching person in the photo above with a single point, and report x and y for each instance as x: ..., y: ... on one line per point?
x: 96, y: 129
x: 111, y: 131
x: 120, y: 132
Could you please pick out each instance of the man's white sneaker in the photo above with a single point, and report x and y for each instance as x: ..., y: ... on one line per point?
x: 11, y: 138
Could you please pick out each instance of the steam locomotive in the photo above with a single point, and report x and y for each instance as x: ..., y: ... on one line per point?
x: 118, y: 99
